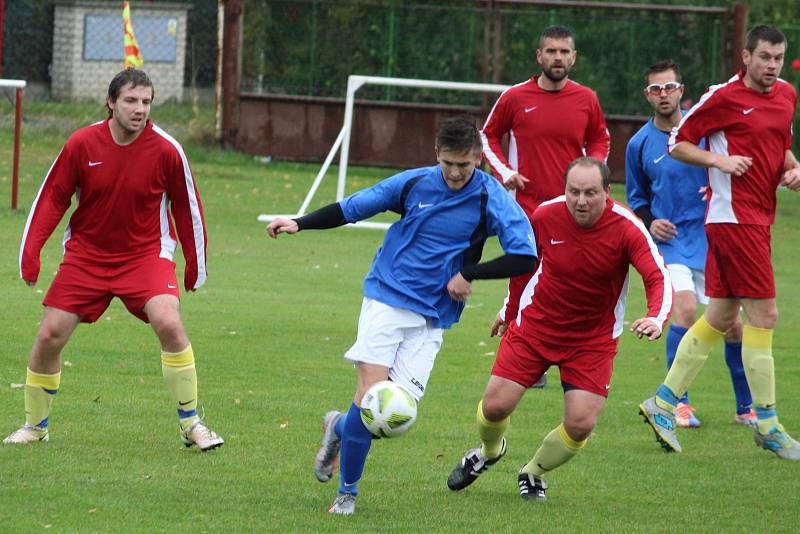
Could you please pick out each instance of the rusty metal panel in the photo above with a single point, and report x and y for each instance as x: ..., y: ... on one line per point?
x: 387, y: 134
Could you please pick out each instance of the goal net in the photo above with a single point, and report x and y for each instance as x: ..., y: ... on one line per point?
x: 17, y: 86
x: 354, y: 83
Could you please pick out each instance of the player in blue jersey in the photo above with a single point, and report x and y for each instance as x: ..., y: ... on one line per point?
x: 420, y: 278
x: 668, y: 196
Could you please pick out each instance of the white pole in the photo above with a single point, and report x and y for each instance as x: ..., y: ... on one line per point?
x: 432, y: 84
x: 16, y: 84
x: 353, y: 84
x: 321, y: 174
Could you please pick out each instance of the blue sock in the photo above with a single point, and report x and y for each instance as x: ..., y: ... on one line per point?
x: 666, y: 395
x: 356, y: 440
x: 733, y: 357
x: 674, y: 335
x: 338, y: 428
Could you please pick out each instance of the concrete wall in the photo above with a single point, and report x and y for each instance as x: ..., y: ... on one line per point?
x: 74, y: 78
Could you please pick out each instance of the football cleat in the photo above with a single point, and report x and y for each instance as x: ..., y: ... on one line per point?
x: 202, y: 436
x: 27, y: 434
x: 746, y: 419
x: 779, y: 442
x: 344, y: 504
x: 684, y: 416
x: 532, y: 487
x: 663, y: 424
x: 471, y: 466
x: 325, y: 461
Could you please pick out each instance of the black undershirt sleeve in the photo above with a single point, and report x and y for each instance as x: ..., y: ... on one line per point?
x: 643, y: 212
x: 503, y: 267
x: 329, y: 216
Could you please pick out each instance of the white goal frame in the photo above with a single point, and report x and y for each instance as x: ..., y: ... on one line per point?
x: 354, y: 83
x: 19, y: 86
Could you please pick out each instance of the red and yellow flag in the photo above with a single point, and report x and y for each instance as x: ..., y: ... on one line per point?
x: 133, y: 56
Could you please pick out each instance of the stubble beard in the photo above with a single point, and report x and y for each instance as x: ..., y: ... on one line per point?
x: 548, y: 73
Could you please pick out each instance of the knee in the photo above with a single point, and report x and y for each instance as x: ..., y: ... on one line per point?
x: 580, y: 428
x: 168, y: 326
x: 769, y: 319
x: 494, y: 409
x: 52, y: 336
x: 684, y: 314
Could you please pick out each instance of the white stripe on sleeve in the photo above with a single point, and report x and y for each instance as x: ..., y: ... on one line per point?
x: 33, y: 210
x: 194, y: 207
x: 666, y: 298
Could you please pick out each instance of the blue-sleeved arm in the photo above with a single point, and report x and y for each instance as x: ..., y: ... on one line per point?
x: 637, y: 183
x: 383, y: 196
x: 506, y: 220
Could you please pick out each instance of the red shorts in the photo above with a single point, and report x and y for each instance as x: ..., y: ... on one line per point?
x: 739, y: 261
x: 87, y: 290
x: 524, y: 359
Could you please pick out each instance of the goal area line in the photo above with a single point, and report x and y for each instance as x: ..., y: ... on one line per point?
x: 354, y: 83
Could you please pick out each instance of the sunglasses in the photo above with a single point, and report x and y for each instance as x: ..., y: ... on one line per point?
x: 654, y: 89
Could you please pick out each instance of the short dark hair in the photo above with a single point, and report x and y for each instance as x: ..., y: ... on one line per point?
x: 662, y: 66
x: 132, y: 76
x: 587, y: 161
x: 770, y: 34
x: 556, y: 32
x: 458, y: 134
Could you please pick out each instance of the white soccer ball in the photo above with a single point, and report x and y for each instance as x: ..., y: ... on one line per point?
x: 388, y: 410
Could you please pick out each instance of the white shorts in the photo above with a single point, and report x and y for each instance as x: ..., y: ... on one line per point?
x: 685, y: 278
x: 399, y: 339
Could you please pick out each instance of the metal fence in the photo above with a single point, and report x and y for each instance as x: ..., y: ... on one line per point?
x: 29, y: 47
x: 309, y: 47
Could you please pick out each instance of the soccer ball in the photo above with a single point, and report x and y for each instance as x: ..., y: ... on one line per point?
x: 388, y: 410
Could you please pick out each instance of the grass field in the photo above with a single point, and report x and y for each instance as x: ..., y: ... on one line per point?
x: 269, y: 328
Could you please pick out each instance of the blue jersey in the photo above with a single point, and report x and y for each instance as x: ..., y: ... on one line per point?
x: 671, y: 189
x: 440, y: 230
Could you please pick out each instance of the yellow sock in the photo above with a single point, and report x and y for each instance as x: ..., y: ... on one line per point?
x: 556, y: 450
x: 491, y: 433
x: 181, y: 379
x: 759, y: 367
x: 692, y: 353
x: 39, y: 391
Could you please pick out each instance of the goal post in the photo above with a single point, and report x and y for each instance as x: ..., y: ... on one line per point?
x: 354, y: 83
x: 19, y: 87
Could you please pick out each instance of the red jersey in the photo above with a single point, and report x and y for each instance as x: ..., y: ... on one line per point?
x: 124, y: 196
x: 547, y: 130
x: 741, y: 121
x: 577, y: 295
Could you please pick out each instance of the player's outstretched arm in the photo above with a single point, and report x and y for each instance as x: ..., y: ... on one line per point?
x: 282, y: 226
x: 329, y: 216
x: 646, y: 327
